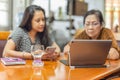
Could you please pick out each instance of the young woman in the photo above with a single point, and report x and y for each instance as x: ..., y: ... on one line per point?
x: 32, y: 30
x: 94, y: 29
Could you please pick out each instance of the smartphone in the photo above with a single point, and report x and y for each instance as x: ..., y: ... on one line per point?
x: 50, y: 49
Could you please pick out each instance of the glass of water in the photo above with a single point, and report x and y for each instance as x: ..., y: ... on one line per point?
x: 37, y: 51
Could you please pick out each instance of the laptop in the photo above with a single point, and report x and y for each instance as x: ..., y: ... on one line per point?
x: 88, y: 53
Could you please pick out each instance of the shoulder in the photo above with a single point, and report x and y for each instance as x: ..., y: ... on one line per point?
x: 81, y: 35
x: 106, y: 31
x: 18, y: 35
x: 18, y: 31
x: 78, y: 31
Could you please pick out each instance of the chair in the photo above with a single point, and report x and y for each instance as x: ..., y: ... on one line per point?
x: 3, y: 39
x: 2, y: 45
x: 118, y: 41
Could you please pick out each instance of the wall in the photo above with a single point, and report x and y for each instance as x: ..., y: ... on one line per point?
x: 96, y: 4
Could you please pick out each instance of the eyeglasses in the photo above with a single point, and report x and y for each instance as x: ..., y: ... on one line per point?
x: 92, y: 24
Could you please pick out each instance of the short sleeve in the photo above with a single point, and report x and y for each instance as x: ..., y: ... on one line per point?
x: 16, y: 35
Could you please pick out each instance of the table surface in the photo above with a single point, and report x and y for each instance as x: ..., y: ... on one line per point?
x: 55, y: 70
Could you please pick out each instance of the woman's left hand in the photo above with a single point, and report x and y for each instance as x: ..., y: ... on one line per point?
x: 53, y: 56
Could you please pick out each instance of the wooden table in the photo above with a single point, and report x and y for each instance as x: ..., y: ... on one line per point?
x: 116, y: 79
x: 54, y: 70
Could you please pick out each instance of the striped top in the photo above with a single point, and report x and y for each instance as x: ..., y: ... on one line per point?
x: 105, y: 34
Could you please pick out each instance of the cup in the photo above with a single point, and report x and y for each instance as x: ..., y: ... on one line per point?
x: 37, y: 52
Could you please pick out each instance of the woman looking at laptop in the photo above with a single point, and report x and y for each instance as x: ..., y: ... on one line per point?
x: 32, y: 30
x: 94, y: 29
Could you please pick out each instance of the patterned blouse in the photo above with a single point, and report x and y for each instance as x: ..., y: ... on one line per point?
x: 105, y: 34
x: 22, y: 40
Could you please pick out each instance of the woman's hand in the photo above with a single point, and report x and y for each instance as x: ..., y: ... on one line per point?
x: 50, y: 56
x: 113, y: 54
x: 66, y: 49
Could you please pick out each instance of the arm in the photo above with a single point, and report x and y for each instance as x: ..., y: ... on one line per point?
x: 114, y: 50
x: 113, y: 54
x: 66, y: 48
x: 9, y: 51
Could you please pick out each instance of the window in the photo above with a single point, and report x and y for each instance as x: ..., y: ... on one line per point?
x: 112, y: 13
x: 4, y: 13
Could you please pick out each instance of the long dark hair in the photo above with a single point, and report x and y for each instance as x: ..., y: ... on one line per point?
x: 97, y: 13
x: 27, y: 26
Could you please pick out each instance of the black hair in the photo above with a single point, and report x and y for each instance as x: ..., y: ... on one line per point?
x: 97, y: 13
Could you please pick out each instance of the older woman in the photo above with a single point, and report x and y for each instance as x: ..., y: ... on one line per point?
x: 94, y: 29
x: 32, y: 30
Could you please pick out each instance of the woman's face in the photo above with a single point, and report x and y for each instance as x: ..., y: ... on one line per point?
x: 92, y: 26
x: 38, y: 21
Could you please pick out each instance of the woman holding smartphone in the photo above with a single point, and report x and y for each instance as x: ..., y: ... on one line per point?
x: 32, y: 30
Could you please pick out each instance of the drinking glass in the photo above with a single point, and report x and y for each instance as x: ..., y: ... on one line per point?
x: 37, y: 52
